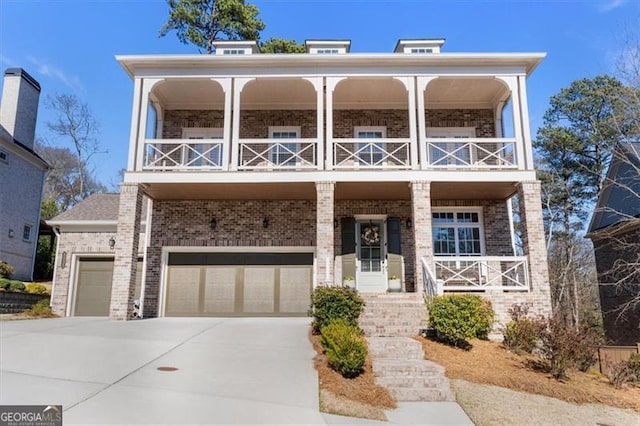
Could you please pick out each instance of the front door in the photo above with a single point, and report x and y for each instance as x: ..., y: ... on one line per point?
x: 371, y: 268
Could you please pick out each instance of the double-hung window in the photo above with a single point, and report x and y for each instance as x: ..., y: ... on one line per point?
x: 457, y: 233
x: 202, y: 154
x: 284, y: 153
x: 370, y: 153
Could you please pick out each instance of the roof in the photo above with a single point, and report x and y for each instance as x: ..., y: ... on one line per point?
x: 96, y: 207
x: 8, y: 138
x: 619, y: 199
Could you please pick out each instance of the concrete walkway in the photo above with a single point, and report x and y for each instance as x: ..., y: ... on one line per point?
x: 229, y: 370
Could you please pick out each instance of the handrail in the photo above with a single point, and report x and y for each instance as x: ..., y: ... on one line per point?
x: 464, y: 273
x: 482, y: 153
x: 429, y: 282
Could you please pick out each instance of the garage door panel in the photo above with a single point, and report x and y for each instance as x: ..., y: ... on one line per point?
x: 220, y: 290
x: 259, y: 287
x: 295, y: 289
x: 184, y: 291
x: 93, y: 287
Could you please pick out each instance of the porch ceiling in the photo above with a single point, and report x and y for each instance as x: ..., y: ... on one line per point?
x: 189, y: 94
x: 465, y: 92
x: 232, y: 191
x: 472, y: 190
x: 278, y: 93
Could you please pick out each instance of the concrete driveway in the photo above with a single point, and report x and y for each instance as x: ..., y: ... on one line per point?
x: 240, y: 370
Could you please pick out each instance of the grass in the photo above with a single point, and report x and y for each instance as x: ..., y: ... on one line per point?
x: 492, y: 364
x: 357, y: 397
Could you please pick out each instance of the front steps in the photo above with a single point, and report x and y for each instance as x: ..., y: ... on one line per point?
x: 389, y: 321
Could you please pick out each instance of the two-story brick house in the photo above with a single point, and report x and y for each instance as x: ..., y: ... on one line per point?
x: 22, y: 172
x: 268, y: 174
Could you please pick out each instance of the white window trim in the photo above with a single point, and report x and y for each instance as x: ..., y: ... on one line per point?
x: 456, y: 225
x: 27, y: 240
x: 358, y: 129
x: 285, y: 129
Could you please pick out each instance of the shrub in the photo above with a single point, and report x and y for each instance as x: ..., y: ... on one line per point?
x: 345, y: 347
x: 585, y: 348
x: 35, y: 288
x: 15, y: 285
x: 625, y: 372
x: 458, y: 318
x: 6, y: 270
x: 522, y: 333
x: 40, y: 310
x: 5, y: 284
x: 330, y: 303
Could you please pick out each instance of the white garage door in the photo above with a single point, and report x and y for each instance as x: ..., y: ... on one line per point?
x: 239, y: 284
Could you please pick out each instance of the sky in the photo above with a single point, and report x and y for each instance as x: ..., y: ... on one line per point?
x: 69, y: 45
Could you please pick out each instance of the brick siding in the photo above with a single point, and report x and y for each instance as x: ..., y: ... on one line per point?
x: 481, y: 119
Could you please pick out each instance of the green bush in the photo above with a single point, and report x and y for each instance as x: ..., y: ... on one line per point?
x: 460, y: 317
x: 15, y: 285
x: 35, y: 288
x: 40, y: 310
x: 6, y: 270
x: 344, y: 347
x: 522, y: 333
x: 585, y: 348
x: 5, y: 283
x: 330, y: 303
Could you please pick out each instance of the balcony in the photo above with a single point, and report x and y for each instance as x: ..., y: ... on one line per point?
x: 278, y: 154
x: 182, y: 154
x: 471, y: 153
x: 356, y: 154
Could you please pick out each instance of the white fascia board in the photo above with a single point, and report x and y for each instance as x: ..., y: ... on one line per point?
x: 134, y: 64
x: 15, y: 149
x: 81, y: 222
x: 333, y: 176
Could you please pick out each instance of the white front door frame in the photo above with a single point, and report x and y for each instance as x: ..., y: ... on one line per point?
x: 371, y: 282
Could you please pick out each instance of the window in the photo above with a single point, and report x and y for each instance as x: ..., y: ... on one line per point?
x: 446, y: 153
x: 283, y: 153
x: 457, y: 233
x: 327, y: 51
x: 202, y: 154
x: 233, y: 52
x: 3, y: 156
x: 26, y: 233
x: 421, y: 50
x: 370, y: 153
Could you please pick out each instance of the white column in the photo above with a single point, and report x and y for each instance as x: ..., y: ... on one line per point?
x: 147, y: 86
x: 225, y: 83
x: 409, y: 84
x: 332, y: 82
x: 319, y: 86
x: 497, y: 117
x: 512, y: 83
x: 422, y: 122
x: 524, y: 114
x: 238, y: 85
x: 135, y: 124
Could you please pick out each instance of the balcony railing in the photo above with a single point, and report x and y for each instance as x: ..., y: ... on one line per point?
x: 472, y: 273
x: 277, y: 154
x: 371, y: 154
x: 480, y: 153
x: 180, y: 154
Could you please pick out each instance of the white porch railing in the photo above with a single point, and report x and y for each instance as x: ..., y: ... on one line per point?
x: 471, y: 273
x: 388, y: 153
x: 270, y: 154
x: 179, y: 154
x: 482, y: 153
x: 429, y: 282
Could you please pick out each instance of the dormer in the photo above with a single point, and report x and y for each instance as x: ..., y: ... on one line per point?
x: 419, y: 46
x: 235, y: 47
x: 327, y: 47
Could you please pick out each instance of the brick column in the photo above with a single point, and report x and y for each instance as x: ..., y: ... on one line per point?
x: 325, y: 257
x: 126, y: 252
x: 422, y: 233
x: 534, y: 246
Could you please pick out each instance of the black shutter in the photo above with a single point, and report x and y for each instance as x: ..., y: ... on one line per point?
x: 393, y: 235
x: 348, y: 229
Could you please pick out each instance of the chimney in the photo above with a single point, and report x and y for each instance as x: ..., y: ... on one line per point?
x: 19, y: 107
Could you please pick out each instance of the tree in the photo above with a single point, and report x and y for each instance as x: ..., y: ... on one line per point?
x: 200, y: 22
x: 68, y: 182
x: 76, y: 125
x: 279, y: 45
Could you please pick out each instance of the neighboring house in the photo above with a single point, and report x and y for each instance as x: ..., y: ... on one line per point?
x: 268, y: 174
x: 615, y: 233
x: 22, y: 172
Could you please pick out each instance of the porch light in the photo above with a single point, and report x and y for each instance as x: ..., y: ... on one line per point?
x: 11, y: 233
x: 112, y: 243
x: 409, y: 223
x: 63, y: 260
x: 265, y: 223
x: 213, y: 223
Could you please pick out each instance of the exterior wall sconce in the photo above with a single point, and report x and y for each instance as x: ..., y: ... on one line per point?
x: 213, y: 223
x: 112, y: 243
x: 336, y: 223
x: 265, y: 223
x: 63, y: 260
x: 409, y: 223
x: 11, y: 233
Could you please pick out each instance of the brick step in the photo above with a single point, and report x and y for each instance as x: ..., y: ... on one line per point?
x: 394, y: 347
x: 406, y: 367
x: 421, y: 394
x: 390, y: 330
x: 396, y: 311
x: 399, y: 302
x: 429, y: 382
